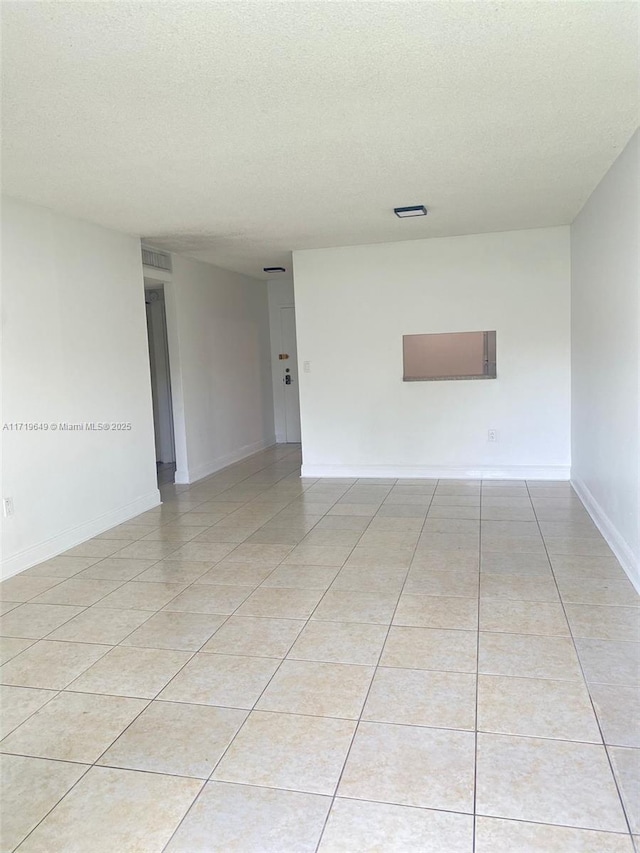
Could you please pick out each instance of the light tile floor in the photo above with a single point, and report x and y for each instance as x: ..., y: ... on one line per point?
x: 272, y: 664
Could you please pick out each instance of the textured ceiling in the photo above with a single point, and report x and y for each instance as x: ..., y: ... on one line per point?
x: 238, y: 131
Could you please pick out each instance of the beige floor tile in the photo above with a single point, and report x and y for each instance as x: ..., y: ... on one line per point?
x: 25, y: 587
x: 446, y: 542
x: 529, y: 656
x: 149, y: 550
x: 618, y: 710
x: 111, y: 810
x: 437, y: 611
x: 243, y: 819
x: 288, y: 751
x: 394, y: 525
x: 50, y: 665
x: 209, y: 598
x: 173, y: 571
x: 30, y: 788
x: 18, y: 703
x: 259, y: 554
x: 234, y: 681
x: 206, y: 552
x: 275, y: 536
x: 168, y: 630
x: 365, y: 579
x: 460, y: 562
x: 61, y: 567
x: 584, y: 566
x: 523, y: 617
x: 170, y: 737
x: 117, y: 568
x: 226, y: 533
x: 142, y: 596
x: 97, y: 548
x: 128, y: 531
x: 280, y: 603
x: 363, y: 510
x: 595, y: 621
x: 451, y: 525
x: 373, y: 827
x: 536, y: 707
x: 195, y: 518
x: 428, y: 582
x: 506, y: 513
x: 577, y: 546
x: 342, y: 522
x: 626, y: 767
x: 374, y: 538
x: 237, y: 574
x: 301, y: 577
x: 100, y: 625
x: 612, y: 591
x: 173, y: 533
x: 6, y: 606
x: 139, y: 673
x: 73, y: 727
x: 422, y: 698
x: 10, y: 647
x: 431, y: 768
x: 318, y: 555
x: 518, y: 587
x: 256, y: 636
x: 396, y: 510
x: 430, y: 648
x: 82, y: 592
x: 531, y: 565
x: 609, y: 661
x: 344, y: 606
x: 462, y: 512
x: 547, y: 781
x: 509, y: 836
x: 34, y: 621
x: 444, y: 499
x: 510, y: 529
x: 331, y: 538
x: 513, y: 545
x: 318, y: 688
x: 340, y: 642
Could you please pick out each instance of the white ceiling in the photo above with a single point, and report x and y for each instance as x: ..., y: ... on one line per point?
x: 238, y: 131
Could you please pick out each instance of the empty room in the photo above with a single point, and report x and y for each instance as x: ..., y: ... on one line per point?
x: 320, y: 458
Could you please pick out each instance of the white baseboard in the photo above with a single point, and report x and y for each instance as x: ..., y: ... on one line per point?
x: 624, y: 554
x: 192, y: 475
x: 441, y: 472
x: 75, y: 535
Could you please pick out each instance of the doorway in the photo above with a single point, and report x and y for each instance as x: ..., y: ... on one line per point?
x: 160, y: 384
x: 289, y: 362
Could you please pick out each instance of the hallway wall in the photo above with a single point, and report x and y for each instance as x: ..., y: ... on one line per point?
x: 74, y: 350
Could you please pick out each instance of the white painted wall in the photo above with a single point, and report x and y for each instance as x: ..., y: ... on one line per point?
x: 280, y: 296
x: 219, y: 350
x: 74, y: 349
x: 353, y: 304
x: 606, y: 356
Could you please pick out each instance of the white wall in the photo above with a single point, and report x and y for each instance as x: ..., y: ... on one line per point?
x: 280, y: 296
x: 353, y: 304
x: 219, y: 350
x: 605, y: 356
x: 74, y: 349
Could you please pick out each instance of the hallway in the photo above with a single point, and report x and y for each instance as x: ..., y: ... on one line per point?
x: 266, y: 663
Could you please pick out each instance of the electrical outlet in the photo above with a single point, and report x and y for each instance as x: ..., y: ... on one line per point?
x: 306, y: 366
x: 7, y: 507
x: 492, y: 435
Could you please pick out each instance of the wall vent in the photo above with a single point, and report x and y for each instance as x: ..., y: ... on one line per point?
x: 157, y: 260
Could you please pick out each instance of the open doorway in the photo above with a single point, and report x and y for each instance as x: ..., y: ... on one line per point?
x: 160, y: 383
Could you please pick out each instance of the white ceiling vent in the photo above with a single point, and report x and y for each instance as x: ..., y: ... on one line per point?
x: 155, y: 259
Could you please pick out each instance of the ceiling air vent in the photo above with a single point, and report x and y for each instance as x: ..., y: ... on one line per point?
x: 155, y: 259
